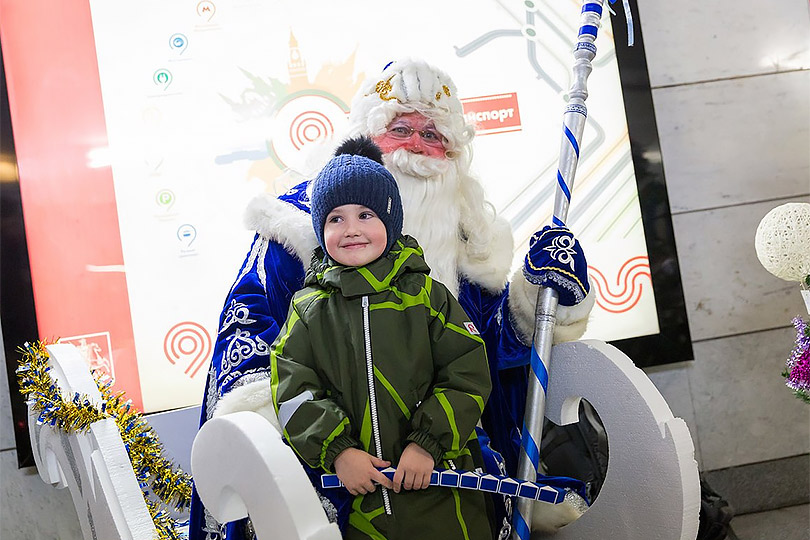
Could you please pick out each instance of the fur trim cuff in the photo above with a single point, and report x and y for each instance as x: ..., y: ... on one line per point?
x: 572, y: 321
x: 255, y: 397
x: 283, y: 223
x: 576, y: 314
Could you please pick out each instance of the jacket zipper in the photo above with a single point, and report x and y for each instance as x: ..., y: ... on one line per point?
x: 372, y: 397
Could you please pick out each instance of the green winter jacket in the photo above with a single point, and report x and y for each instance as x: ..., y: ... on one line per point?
x: 430, y: 383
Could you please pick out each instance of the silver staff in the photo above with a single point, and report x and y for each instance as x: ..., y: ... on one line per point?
x: 546, y: 314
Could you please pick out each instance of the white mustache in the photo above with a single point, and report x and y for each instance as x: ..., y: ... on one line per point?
x: 415, y: 164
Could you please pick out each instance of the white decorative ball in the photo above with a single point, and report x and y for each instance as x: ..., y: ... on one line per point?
x: 783, y: 241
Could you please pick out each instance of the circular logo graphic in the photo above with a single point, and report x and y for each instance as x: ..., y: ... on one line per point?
x: 310, y: 126
x: 302, y: 121
x: 162, y: 78
x: 165, y: 198
x: 206, y: 10
x: 187, y: 343
x: 178, y: 42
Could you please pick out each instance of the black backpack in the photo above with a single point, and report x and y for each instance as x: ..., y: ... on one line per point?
x: 580, y: 451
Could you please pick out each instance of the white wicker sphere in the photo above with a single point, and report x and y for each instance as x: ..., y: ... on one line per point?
x: 783, y: 241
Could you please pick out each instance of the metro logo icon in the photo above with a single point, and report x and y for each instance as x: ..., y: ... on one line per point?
x: 498, y: 113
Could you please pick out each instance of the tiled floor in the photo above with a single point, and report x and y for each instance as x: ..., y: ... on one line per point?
x: 791, y: 523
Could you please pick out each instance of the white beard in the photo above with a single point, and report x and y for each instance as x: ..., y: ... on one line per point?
x: 429, y: 191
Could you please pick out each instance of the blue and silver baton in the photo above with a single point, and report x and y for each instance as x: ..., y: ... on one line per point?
x: 551, y: 492
x: 546, y: 313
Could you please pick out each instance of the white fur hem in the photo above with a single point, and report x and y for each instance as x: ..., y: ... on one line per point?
x: 281, y: 222
x: 572, y: 321
x: 254, y: 396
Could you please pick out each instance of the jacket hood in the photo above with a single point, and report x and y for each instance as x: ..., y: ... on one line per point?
x: 405, y: 257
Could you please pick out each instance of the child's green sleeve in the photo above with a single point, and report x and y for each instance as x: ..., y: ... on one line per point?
x: 316, y: 428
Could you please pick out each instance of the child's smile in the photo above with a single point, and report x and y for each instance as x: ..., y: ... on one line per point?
x: 354, y: 235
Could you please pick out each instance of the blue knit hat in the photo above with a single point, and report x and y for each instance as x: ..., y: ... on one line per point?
x: 356, y: 175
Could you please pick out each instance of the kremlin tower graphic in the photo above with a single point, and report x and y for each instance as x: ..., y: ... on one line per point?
x: 301, y: 112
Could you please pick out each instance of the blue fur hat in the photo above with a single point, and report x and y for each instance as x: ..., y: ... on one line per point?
x: 356, y: 175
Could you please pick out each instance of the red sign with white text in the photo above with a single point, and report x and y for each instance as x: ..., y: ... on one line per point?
x: 493, y: 114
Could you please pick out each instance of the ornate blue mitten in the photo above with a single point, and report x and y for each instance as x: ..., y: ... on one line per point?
x: 555, y: 259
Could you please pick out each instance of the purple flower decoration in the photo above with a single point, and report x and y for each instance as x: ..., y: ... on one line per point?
x: 797, y: 370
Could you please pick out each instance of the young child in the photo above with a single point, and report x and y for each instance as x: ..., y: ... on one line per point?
x: 378, y: 364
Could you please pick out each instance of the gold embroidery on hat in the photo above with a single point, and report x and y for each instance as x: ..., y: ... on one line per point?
x: 383, y: 88
x: 446, y: 92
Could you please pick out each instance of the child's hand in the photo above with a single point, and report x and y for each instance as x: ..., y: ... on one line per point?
x: 356, y: 469
x: 414, y: 469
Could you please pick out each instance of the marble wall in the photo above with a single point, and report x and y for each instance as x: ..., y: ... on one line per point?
x: 731, y: 88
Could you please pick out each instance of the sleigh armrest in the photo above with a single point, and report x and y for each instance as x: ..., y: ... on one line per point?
x: 242, y: 468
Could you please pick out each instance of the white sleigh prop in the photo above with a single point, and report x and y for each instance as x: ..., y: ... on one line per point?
x: 651, y: 490
x: 263, y: 479
x: 94, y: 465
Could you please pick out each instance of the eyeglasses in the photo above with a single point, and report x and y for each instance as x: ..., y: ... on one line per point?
x: 430, y: 137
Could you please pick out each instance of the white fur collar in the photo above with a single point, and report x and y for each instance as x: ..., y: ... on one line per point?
x: 281, y: 222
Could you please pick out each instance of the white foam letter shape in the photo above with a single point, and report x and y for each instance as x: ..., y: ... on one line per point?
x: 93, y: 465
x: 651, y: 489
x: 242, y: 467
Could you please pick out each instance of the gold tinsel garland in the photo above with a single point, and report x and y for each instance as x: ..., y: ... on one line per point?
x: 168, y: 483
